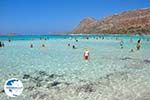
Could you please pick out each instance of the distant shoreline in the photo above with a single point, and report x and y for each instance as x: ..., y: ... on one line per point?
x: 76, y: 34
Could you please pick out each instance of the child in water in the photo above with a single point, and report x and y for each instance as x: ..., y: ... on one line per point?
x: 86, y: 54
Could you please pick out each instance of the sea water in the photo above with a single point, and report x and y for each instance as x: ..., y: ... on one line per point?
x: 59, y: 72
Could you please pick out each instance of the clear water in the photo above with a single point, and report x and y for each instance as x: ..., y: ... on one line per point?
x: 111, y: 73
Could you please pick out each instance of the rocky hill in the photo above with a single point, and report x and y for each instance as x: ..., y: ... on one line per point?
x: 134, y: 22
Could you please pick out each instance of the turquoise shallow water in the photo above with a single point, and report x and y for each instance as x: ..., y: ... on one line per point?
x: 110, y: 73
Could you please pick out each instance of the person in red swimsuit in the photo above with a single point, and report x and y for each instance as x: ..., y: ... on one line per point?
x: 86, y: 54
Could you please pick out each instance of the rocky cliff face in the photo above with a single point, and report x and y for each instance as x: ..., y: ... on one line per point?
x: 137, y: 21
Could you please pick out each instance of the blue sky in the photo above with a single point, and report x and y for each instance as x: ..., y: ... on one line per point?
x: 44, y: 16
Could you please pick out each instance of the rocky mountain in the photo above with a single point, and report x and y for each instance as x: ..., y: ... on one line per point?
x: 131, y: 22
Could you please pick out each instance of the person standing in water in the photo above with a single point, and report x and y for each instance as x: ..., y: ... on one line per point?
x: 3, y: 44
x: 0, y: 44
x: 31, y: 45
x: 138, y: 46
x: 76, y: 40
x: 121, y: 44
x: 86, y: 54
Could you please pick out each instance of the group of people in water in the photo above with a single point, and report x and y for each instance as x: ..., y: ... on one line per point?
x: 2, y: 43
x: 31, y: 45
x: 138, y: 45
x: 73, y: 46
x: 86, y: 52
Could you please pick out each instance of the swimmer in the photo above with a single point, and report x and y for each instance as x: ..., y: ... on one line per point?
x: 138, y: 44
x: 86, y: 54
x: 31, y: 46
x: 148, y: 39
x: 69, y: 45
x: 132, y: 50
x: 76, y: 40
x: 103, y: 38
x: 121, y: 44
x: 0, y: 44
x: 73, y: 47
x: 9, y: 40
x: 43, y: 45
x: 3, y: 44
